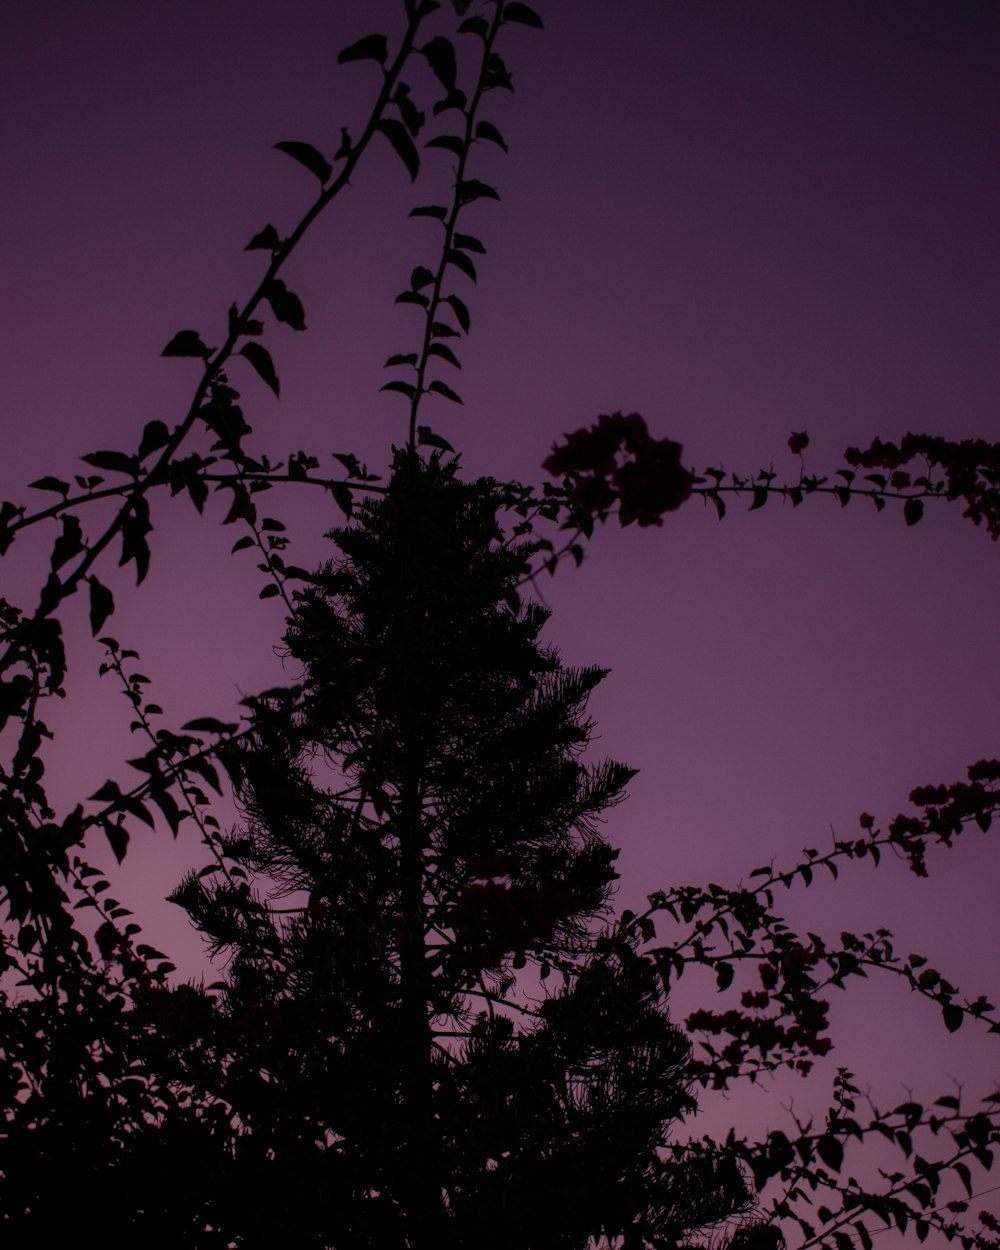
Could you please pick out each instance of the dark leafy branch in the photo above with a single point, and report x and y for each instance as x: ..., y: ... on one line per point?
x: 812, y: 1164
x: 32, y: 645
x: 781, y: 1021
x: 426, y: 288
x: 213, y: 404
x: 616, y: 464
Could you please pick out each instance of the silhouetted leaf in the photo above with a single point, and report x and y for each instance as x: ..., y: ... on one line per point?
x: 14, y: 695
x: 261, y: 360
x: 517, y: 12
x: 760, y: 494
x: 102, y: 604
x: 497, y: 75
x: 45, y: 483
x: 110, y: 792
x: 954, y: 1017
x: 186, y: 343
x: 412, y: 297
x: 117, y: 839
x: 164, y: 800
x: 461, y: 261
x: 427, y: 438
x: 724, y: 973
x: 439, y: 388
x: 266, y: 240
x: 404, y: 388
x: 460, y: 310
x: 965, y: 1176
x: 439, y: 349
x: 155, y: 435
x: 242, y: 508
x: 440, y: 56
x: 8, y: 513
x: 209, y: 724
x: 913, y: 510
x: 486, y: 130
x: 399, y: 137
x: 241, y: 544
x: 285, y: 304
x: 243, y: 325
x: 343, y: 497
x: 475, y: 26
x: 149, y: 952
x: 351, y: 463
x: 113, y: 461
x: 409, y: 359
x: 831, y: 1151
x: 430, y: 210
x: 185, y: 475
x: 451, y: 142
x: 863, y: 1234
x: 51, y: 593
x: 135, y: 526
x: 453, y: 100
x: 226, y: 422
x: 421, y: 277
x: 371, y: 48
x: 270, y: 591
x: 469, y: 243
x: 413, y: 118
x: 69, y: 543
x: 308, y: 156
x: 470, y: 189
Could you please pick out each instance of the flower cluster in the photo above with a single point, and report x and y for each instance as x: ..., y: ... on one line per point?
x: 971, y: 468
x: 797, y: 443
x: 946, y: 810
x: 645, y: 484
x: 795, y: 1028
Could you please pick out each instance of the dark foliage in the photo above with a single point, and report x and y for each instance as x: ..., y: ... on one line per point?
x: 431, y: 1030
x: 425, y: 803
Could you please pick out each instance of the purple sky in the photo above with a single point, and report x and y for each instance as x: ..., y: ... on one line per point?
x: 739, y: 220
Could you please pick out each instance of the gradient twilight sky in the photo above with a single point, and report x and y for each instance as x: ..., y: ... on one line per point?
x: 737, y: 219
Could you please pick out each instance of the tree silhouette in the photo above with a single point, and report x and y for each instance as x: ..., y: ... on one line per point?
x: 432, y: 1030
x: 425, y: 798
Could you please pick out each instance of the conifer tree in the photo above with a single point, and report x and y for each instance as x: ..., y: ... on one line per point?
x: 421, y: 801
